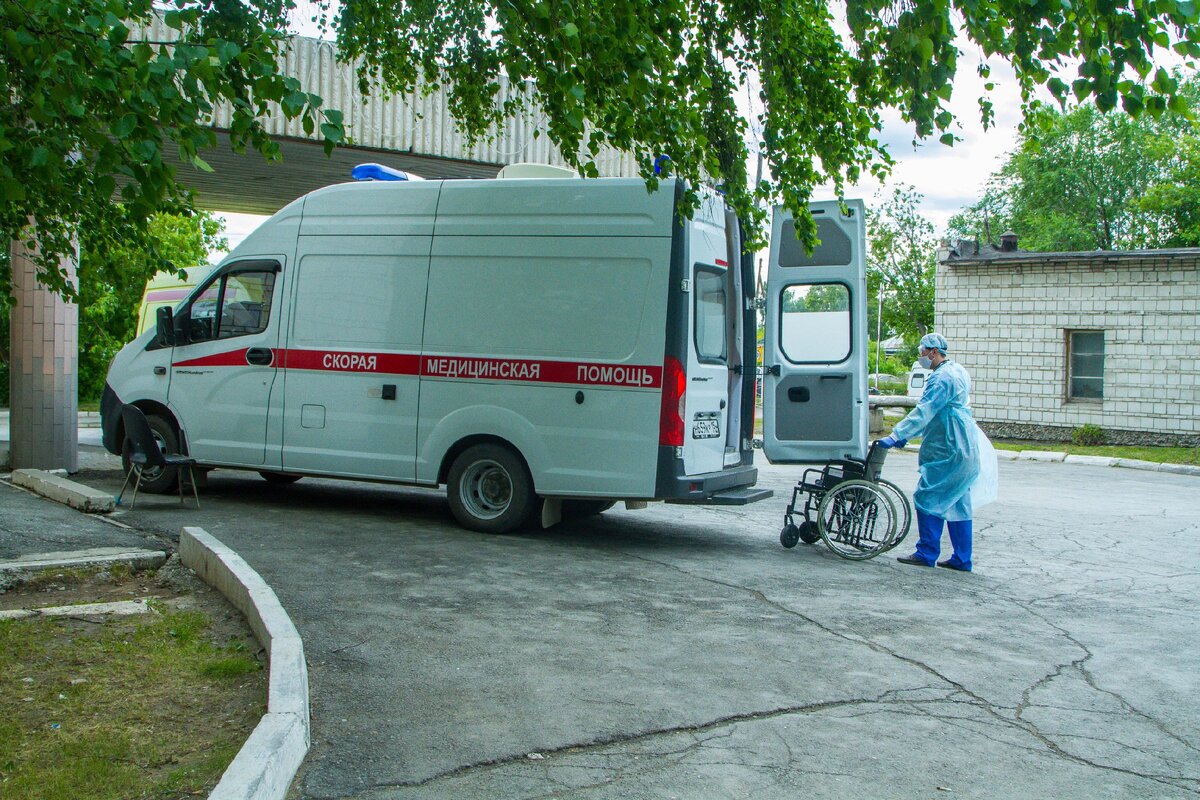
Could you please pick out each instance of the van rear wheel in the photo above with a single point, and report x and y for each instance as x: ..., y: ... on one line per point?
x: 156, y: 480
x: 490, y: 490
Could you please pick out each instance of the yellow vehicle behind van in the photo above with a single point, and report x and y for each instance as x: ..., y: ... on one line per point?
x: 166, y: 289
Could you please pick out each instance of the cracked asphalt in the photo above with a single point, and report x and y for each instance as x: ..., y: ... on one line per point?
x: 681, y: 652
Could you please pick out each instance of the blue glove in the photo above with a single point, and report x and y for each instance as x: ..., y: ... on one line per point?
x: 891, y: 441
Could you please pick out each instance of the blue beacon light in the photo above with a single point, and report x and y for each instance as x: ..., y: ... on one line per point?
x: 377, y: 172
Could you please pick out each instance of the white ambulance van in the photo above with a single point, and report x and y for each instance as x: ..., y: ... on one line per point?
x: 916, y: 380
x: 542, y: 347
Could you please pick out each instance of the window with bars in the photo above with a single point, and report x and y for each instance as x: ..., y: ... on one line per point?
x: 1085, y: 364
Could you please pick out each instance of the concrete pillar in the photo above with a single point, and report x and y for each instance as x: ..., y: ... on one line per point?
x: 876, y: 419
x: 44, y: 369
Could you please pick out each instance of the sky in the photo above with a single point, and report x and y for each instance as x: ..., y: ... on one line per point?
x: 951, y: 178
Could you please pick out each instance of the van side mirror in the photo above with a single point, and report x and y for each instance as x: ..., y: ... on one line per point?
x: 165, y: 334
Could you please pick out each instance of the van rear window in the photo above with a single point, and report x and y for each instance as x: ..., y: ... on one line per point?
x: 711, y: 302
x: 814, y: 323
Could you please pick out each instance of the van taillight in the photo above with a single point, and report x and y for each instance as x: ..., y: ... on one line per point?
x: 670, y: 428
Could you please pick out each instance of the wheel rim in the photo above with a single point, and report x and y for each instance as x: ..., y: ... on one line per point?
x: 486, y: 490
x: 154, y: 473
x: 857, y: 521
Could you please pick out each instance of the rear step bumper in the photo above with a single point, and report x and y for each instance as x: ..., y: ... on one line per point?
x: 731, y: 497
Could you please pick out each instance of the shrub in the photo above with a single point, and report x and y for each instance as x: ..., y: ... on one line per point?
x: 1088, y: 435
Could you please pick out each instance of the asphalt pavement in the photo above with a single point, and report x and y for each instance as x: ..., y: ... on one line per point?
x: 681, y: 652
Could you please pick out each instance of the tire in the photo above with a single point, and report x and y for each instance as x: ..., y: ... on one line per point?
x: 579, y: 509
x: 809, y: 533
x: 279, y: 478
x: 856, y: 519
x: 490, y: 490
x: 903, y: 511
x: 789, y: 537
x: 157, y: 480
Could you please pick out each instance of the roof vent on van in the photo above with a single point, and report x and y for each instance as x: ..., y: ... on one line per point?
x: 378, y: 172
x: 528, y: 170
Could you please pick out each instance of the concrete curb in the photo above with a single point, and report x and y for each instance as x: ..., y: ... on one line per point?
x: 1092, y: 461
x: 265, y: 766
x: 1040, y: 455
x: 1087, y: 461
x: 95, y: 557
x: 62, y: 490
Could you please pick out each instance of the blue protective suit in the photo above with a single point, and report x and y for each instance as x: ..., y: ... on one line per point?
x: 957, y: 462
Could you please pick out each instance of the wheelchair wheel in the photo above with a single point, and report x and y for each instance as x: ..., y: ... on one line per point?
x: 856, y: 519
x: 809, y: 534
x: 790, y: 536
x: 903, y: 511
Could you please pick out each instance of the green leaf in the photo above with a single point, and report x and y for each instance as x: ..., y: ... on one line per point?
x: 124, y: 126
x: 570, y: 30
x: 947, y: 139
x: 200, y: 164
x: 39, y: 157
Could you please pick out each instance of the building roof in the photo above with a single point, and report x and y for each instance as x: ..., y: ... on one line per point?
x: 967, y: 251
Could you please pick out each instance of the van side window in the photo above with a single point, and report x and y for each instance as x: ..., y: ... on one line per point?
x: 711, y: 340
x: 235, y: 304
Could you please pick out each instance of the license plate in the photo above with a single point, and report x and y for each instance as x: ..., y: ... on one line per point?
x: 706, y: 429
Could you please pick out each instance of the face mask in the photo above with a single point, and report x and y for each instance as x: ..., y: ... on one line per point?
x: 925, y: 362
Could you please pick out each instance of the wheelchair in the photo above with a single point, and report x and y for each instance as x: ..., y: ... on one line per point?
x: 849, y: 506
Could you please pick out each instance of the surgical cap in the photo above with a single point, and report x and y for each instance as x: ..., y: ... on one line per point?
x: 935, y: 341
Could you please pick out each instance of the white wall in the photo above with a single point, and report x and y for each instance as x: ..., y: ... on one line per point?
x: 1006, y: 323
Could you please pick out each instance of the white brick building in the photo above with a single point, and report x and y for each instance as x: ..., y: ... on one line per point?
x: 1058, y: 340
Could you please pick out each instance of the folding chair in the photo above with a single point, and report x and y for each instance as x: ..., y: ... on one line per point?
x: 145, y: 452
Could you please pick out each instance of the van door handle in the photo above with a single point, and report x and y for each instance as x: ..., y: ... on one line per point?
x: 841, y: 377
x: 260, y: 356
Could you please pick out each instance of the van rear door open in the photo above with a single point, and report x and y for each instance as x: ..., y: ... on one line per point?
x: 814, y: 346
x: 710, y: 350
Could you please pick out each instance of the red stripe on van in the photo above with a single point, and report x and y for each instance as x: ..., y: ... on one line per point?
x: 722, y: 262
x: 511, y: 369
x: 450, y: 367
x: 234, y: 358
x: 335, y: 361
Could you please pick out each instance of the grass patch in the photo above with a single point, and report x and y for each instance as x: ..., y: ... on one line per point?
x: 73, y: 576
x: 133, y: 707
x: 1161, y: 455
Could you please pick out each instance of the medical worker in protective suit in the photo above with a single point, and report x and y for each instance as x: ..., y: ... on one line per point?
x: 957, y: 462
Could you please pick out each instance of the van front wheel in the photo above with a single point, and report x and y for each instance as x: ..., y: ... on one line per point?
x: 490, y: 490
x: 156, y: 480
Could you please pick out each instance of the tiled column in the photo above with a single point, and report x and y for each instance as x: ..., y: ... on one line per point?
x: 44, y: 370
